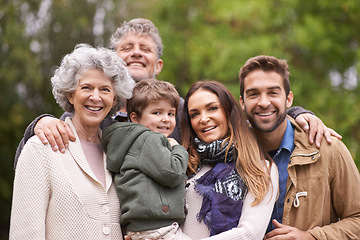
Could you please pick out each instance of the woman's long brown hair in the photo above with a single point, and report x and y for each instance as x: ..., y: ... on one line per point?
x: 250, y: 162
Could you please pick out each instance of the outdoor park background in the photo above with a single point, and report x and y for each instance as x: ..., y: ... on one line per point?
x: 203, y: 39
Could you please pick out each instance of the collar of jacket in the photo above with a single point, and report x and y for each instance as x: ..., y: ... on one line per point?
x: 304, y: 152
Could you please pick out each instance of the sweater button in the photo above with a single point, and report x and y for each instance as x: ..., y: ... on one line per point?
x: 288, y: 200
x: 105, y: 209
x: 106, y: 230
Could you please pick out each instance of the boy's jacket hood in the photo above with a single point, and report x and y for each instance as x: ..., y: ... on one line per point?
x: 129, y: 132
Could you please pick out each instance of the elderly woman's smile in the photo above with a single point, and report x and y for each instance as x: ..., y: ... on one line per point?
x: 93, y: 98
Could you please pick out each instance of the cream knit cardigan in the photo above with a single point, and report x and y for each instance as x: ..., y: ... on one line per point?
x: 57, y: 196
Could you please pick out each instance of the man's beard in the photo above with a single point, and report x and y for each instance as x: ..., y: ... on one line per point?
x: 280, y: 118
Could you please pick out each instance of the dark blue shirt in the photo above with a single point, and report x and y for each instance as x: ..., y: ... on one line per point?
x: 281, y: 158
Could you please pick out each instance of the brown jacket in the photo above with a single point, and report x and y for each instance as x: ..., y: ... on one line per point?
x: 323, y: 189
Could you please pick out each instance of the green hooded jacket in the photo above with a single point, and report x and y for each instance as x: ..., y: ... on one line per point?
x: 149, y: 176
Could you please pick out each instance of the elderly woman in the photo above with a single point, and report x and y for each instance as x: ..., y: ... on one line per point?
x: 72, y: 195
x: 231, y: 188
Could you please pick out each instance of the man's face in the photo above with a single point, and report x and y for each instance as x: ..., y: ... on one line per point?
x: 265, y: 102
x: 140, y: 55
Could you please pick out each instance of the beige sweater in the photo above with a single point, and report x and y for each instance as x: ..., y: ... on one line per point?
x: 57, y: 196
x: 253, y: 221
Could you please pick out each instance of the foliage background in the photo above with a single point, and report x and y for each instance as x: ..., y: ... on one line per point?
x: 203, y: 39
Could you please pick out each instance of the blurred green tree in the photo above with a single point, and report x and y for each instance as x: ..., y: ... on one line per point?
x: 203, y: 39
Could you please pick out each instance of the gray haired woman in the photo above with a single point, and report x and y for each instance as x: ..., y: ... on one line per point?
x: 71, y: 195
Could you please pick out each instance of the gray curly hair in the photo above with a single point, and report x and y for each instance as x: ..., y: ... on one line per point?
x: 83, y: 58
x: 139, y: 26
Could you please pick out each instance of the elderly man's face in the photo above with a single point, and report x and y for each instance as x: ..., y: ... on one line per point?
x: 140, y: 55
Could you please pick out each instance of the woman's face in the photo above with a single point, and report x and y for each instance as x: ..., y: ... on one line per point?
x: 207, y: 117
x: 93, y: 98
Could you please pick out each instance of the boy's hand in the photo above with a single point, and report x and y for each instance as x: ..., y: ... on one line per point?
x: 173, y: 141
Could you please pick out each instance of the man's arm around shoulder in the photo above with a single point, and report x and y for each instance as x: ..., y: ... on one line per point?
x: 29, y: 132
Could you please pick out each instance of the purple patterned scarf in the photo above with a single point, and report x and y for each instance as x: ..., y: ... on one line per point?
x: 222, y: 188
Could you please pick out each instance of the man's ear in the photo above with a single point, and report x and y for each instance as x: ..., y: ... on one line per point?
x: 159, y: 66
x: 134, y: 118
x: 241, y: 101
x: 289, y: 99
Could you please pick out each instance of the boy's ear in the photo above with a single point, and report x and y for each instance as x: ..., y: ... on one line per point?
x: 134, y: 118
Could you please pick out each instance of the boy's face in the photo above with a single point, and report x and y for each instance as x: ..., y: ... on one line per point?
x: 158, y: 116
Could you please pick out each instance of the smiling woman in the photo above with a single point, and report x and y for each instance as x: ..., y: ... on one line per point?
x: 92, y: 99
x: 208, y: 118
x: 231, y: 188
x: 55, y: 193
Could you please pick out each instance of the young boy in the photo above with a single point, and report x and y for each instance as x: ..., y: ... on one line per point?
x: 149, y: 168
